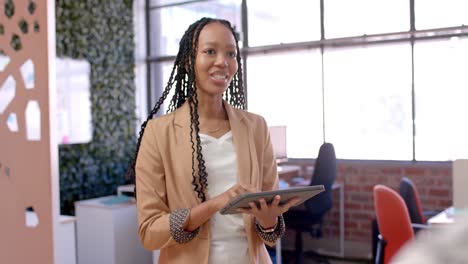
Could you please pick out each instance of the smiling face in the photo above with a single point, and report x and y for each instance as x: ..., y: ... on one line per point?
x: 215, y: 63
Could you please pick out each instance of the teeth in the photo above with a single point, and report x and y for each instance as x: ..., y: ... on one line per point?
x: 220, y: 77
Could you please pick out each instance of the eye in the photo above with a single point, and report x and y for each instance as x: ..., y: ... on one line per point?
x: 210, y: 51
x: 232, y: 54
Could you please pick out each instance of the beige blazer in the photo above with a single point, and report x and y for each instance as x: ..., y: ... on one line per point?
x: 164, y: 181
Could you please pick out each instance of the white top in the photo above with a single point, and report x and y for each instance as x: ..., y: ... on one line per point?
x: 228, y: 238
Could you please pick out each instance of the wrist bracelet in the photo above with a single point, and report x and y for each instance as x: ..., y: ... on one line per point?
x: 268, y: 230
x: 273, y: 236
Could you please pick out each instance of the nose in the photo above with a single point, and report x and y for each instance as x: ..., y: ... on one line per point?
x: 221, y: 61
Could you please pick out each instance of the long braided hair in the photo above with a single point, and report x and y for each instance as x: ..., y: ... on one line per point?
x: 183, y: 80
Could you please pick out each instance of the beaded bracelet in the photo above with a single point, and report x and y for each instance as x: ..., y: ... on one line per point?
x: 272, y: 236
x: 177, y: 221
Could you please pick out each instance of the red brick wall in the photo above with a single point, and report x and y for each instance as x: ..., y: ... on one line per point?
x: 432, y: 179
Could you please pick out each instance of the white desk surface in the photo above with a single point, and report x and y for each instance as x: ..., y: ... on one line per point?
x: 101, y: 202
x: 448, y: 216
x: 67, y: 219
x: 443, y: 218
x: 125, y: 188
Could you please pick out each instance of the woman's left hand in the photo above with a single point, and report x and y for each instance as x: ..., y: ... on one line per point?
x: 267, y: 214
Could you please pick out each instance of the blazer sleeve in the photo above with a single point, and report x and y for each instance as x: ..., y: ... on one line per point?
x: 269, y: 166
x: 270, y: 171
x: 153, y: 211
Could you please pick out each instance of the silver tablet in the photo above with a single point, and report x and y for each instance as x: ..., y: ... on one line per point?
x: 242, y: 201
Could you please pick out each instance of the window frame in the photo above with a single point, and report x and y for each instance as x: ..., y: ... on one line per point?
x: 409, y: 36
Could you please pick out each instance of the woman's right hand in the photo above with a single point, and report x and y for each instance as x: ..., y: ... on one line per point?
x: 223, y: 199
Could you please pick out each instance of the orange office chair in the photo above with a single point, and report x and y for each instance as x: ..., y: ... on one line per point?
x: 394, y: 223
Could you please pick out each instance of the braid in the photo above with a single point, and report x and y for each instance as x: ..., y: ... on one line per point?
x: 130, y: 174
x: 236, y: 87
x: 195, y: 123
x: 182, y: 78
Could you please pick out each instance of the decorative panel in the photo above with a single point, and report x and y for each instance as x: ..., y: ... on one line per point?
x: 28, y: 149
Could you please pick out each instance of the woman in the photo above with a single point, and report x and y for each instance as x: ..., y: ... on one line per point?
x: 191, y: 162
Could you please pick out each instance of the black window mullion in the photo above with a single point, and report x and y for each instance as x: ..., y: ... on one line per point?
x: 413, y: 99
x: 412, y: 16
x: 245, y: 44
x: 322, y: 50
x: 148, y: 54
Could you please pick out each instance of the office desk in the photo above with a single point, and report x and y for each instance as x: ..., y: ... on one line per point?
x: 443, y: 218
x: 335, y: 186
x: 289, y: 172
x: 107, y: 232
x: 340, y: 187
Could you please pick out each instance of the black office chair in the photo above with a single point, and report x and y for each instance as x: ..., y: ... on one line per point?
x: 410, y: 195
x: 310, y: 219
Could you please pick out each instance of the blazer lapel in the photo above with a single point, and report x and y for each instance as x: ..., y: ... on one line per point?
x: 241, y: 139
x: 181, y: 135
x: 182, y: 120
x: 247, y: 167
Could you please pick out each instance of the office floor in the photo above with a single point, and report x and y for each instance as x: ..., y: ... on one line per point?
x: 355, y: 253
x: 331, y: 261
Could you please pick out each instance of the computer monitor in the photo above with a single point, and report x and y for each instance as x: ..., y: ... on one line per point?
x: 278, y: 140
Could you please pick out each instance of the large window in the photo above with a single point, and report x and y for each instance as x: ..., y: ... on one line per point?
x: 381, y: 80
x: 286, y: 89
x: 368, y: 101
x: 359, y: 17
x: 441, y: 88
x: 169, y: 23
x: 439, y: 14
x: 279, y: 21
x: 160, y: 73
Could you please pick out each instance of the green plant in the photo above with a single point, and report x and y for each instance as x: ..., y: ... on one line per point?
x: 100, y: 32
